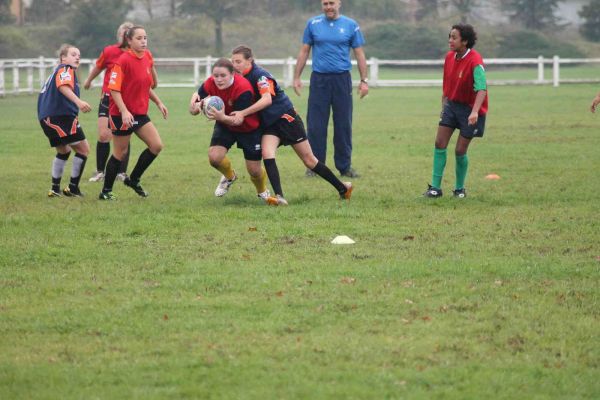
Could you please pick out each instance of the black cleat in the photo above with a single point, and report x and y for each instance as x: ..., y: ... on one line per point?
x: 433, y: 192
x: 72, y: 191
x: 350, y: 173
x: 107, y: 196
x: 136, y: 187
x: 460, y: 193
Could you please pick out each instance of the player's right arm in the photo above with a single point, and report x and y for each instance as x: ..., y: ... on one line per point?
x: 114, y: 85
x: 66, y: 91
x: 300, y: 64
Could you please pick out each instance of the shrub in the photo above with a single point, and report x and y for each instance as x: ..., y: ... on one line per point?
x: 396, y: 41
x: 527, y: 44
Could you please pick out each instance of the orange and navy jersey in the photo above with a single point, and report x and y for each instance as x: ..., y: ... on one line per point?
x: 236, y: 97
x: 263, y: 82
x: 459, y: 78
x: 132, y: 76
x: 51, y: 102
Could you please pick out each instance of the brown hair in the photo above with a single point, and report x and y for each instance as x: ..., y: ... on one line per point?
x: 244, y: 51
x: 223, y: 62
x: 131, y: 31
x: 63, y: 50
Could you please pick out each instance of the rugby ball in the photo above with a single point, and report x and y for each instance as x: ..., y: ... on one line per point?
x: 212, y: 102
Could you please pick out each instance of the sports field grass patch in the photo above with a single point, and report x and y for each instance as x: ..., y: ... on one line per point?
x: 184, y: 295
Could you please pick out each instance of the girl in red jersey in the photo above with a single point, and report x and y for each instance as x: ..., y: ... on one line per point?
x: 105, y: 61
x: 464, y: 106
x: 58, y: 107
x: 237, y: 94
x: 130, y: 88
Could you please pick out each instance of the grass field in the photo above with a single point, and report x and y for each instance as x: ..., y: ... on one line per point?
x: 183, y: 295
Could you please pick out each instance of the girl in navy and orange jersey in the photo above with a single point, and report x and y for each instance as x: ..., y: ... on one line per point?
x: 237, y: 94
x: 465, y: 105
x: 58, y: 107
x: 105, y: 61
x: 130, y: 86
x: 281, y: 125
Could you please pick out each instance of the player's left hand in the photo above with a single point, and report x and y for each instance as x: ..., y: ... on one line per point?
x: 473, y: 117
x: 238, y: 118
x: 217, y: 115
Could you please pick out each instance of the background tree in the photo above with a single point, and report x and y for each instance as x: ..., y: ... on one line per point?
x: 590, y: 29
x: 218, y: 11
x: 464, y: 9
x: 48, y: 11
x: 427, y: 9
x: 6, y: 16
x: 106, y: 15
x: 533, y: 14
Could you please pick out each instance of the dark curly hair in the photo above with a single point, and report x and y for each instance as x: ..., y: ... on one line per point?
x: 467, y: 33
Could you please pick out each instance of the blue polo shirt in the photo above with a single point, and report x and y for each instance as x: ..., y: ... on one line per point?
x: 331, y: 41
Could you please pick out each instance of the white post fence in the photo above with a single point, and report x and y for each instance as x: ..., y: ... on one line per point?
x: 190, y: 72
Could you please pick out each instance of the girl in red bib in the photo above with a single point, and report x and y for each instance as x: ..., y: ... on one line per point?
x: 464, y: 107
x: 130, y: 88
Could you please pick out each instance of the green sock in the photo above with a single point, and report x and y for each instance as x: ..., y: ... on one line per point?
x: 462, y: 165
x: 439, y: 163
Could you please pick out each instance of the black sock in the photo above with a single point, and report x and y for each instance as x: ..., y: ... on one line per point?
x: 112, y: 166
x: 78, y: 165
x: 324, y: 172
x: 273, y: 174
x: 142, y: 164
x: 125, y: 161
x: 102, y: 153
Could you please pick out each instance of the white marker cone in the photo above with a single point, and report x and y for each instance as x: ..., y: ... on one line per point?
x: 342, y: 240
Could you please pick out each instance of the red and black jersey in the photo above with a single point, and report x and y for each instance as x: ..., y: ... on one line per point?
x: 132, y: 76
x: 106, y: 60
x: 237, y: 97
x: 459, y: 80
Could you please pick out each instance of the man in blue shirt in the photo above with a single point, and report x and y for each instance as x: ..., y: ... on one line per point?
x: 331, y: 36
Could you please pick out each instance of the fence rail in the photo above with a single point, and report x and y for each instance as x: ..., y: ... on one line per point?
x: 29, y: 75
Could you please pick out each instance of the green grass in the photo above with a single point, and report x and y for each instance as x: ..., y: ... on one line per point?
x: 183, y: 295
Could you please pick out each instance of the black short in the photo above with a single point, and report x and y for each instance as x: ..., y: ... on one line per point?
x: 289, y: 129
x: 103, y: 106
x: 456, y: 115
x: 62, y: 130
x: 115, y: 123
x: 249, y: 142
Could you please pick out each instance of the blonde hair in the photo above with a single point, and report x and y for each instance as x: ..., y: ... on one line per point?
x: 123, y: 28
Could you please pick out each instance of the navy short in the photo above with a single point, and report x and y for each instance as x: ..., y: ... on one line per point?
x: 62, y: 130
x: 103, y: 106
x: 249, y: 142
x: 115, y: 123
x: 456, y: 116
x: 289, y: 129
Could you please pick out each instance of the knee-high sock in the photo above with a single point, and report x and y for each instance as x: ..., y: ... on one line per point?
x: 58, y: 168
x: 125, y: 160
x: 462, y: 165
x: 324, y: 172
x: 112, y: 167
x: 260, y: 182
x: 102, y: 154
x: 225, y: 168
x: 78, y: 165
x: 273, y: 174
x: 142, y: 164
x: 439, y: 163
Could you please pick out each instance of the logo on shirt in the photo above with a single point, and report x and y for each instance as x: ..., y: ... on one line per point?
x: 263, y: 82
x: 113, y: 77
x: 316, y: 21
x: 342, y: 30
x: 65, y: 76
x: 460, y: 74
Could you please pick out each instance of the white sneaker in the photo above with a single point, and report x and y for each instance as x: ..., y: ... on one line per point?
x: 277, y: 201
x: 224, y: 185
x: 264, y: 196
x: 122, y: 176
x: 97, y: 177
